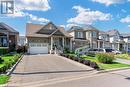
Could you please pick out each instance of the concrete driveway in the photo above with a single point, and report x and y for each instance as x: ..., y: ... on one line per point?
x: 36, y: 68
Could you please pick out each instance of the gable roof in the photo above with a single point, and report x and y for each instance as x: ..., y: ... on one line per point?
x: 50, y: 27
x: 38, y: 30
x: 4, y: 26
x: 84, y: 28
x: 112, y: 32
x: 125, y: 35
x: 103, y: 33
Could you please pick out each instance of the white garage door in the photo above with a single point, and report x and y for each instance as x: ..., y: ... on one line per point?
x: 38, y: 48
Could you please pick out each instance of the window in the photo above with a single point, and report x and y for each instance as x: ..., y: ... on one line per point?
x: 80, y: 34
x: 94, y: 34
x: 129, y: 38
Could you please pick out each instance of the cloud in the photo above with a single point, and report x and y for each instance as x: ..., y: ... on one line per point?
x: 87, y: 16
x: 37, y: 5
x: 129, y: 26
x: 126, y: 19
x: 36, y: 18
x: 62, y: 26
x: 70, y: 25
x: 25, y: 5
x: 110, y: 2
x: 30, y: 16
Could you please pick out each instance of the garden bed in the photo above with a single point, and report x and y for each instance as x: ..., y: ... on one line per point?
x: 94, y: 63
x: 81, y: 60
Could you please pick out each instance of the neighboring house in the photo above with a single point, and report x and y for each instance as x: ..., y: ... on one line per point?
x: 47, y: 38
x: 116, y: 40
x: 103, y: 40
x: 126, y: 38
x: 22, y: 41
x: 86, y: 36
x: 8, y: 37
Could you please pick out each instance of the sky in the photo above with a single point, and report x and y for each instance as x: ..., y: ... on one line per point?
x: 102, y: 14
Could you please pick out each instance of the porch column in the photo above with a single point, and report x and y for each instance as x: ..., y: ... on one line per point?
x: 124, y: 46
x: 127, y: 46
x: 8, y: 39
x: 118, y: 46
x: 103, y: 44
x: 98, y: 44
x: 70, y: 44
x: 51, y: 45
x: 63, y: 41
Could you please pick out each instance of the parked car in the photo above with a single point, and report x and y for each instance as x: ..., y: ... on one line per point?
x: 116, y: 52
x: 104, y: 50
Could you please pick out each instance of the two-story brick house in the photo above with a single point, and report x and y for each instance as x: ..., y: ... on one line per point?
x: 84, y: 36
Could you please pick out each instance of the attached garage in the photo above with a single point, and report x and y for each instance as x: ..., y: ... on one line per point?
x: 38, y: 48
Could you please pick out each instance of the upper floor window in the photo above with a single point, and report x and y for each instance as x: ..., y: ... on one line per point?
x: 129, y: 38
x: 80, y: 34
x: 94, y: 34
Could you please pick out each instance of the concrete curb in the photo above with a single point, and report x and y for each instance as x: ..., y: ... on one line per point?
x: 111, y: 70
x: 14, y: 66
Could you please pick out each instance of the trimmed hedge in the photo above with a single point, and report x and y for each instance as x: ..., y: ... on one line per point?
x: 106, y: 58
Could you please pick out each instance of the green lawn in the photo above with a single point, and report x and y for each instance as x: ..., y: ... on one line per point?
x: 111, y: 66
x: 123, y: 56
x: 9, y: 60
x: 6, y: 58
x: 4, y: 79
x: 106, y: 66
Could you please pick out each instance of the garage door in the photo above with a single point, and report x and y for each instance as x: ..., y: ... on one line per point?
x: 38, y: 48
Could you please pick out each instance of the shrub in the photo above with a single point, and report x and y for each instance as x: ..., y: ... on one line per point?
x: 67, y: 55
x: 105, y: 57
x: 94, y: 65
x: 66, y: 50
x: 61, y: 54
x: 81, y: 60
x: 3, y: 69
x: 76, y: 58
x: 71, y: 56
x: 87, y: 62
x: 1, y: 60
x: 3, y: 51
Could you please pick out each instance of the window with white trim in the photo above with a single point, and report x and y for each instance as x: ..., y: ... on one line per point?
x: 80, y: 34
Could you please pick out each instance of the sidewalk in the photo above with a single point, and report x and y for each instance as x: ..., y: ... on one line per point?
x: 122, y: 61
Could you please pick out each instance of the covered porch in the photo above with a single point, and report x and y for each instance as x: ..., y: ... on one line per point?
x: 59, y: 43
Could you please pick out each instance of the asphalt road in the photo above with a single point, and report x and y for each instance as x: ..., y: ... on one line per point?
x: 113, y: 79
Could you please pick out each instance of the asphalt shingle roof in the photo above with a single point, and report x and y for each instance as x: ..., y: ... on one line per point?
x: 86, y: 27
x: 8, y: 28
